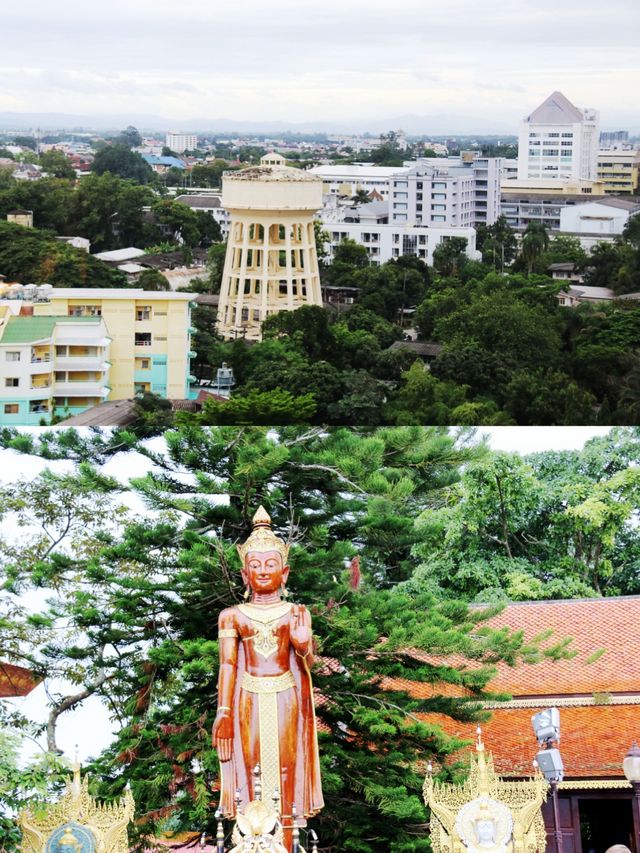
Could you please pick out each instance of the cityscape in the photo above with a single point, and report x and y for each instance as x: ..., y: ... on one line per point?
x: 367, y: 234
x: 320, y: 427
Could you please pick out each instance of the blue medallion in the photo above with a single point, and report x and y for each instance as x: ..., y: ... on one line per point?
x: 71, y: 838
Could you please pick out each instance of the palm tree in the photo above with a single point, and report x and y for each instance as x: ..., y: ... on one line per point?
x: 534, y: 242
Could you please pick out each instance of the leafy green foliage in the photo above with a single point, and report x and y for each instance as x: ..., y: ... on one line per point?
x: 120, y: 160
x: 29, y: 255
x: 138, y: 598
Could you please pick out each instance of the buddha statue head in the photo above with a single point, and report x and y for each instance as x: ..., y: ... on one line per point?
x: 264, y: 557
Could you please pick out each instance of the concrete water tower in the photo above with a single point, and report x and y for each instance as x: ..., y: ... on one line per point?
x: 271, y: 263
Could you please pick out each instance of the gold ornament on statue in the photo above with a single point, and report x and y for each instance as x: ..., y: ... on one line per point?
x: 263, y: 538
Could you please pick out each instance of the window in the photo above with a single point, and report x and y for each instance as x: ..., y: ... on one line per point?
x: 12, y: 356
x: 142, y: 339
x: 143, y: 312
x: 401, y: 184
x: 401, y: 195
x: 37, y: 406
x: 11, y: 382
x: 85, y: 311
x: 440, y: 185
x: 144, y: 364
x: 569, y: 135
x: 399, y: 205
x: 11, y: 408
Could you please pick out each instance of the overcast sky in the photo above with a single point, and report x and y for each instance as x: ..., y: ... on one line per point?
x: 337, y: 60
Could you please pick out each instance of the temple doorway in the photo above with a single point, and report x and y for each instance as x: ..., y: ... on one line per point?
x: 604, y: 822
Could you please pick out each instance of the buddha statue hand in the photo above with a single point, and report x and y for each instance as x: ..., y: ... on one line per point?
x: 222, y: 735
x: 300, y: 630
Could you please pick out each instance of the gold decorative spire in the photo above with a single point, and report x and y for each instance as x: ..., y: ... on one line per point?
x: 263, y: 538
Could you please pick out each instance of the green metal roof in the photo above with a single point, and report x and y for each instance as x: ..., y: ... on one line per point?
x: 26, y: 330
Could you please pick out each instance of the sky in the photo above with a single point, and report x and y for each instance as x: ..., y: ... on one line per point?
x: 88, y: 727
x: 333, y: 61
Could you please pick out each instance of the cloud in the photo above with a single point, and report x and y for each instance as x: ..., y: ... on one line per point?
x: 290, y: 60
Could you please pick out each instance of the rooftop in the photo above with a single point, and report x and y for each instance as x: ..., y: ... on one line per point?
x: 26, y: 330
x: 271, y: 173
x: 98, y: 294
x: 127, y: 254
x: 200, y: 200
x: 368, y: 171
x: 594, y: 739
x: 557, y: 109
x: 15, y: 680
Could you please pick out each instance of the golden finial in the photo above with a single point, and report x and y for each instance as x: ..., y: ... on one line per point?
x: 263, y: 538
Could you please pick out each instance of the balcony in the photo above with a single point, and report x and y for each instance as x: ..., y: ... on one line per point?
x: 86, y: 388
x: 81, y: 362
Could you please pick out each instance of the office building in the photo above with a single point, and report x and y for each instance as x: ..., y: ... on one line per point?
x: 385, y: 242
x: 180, y: 142
x: 457, y: 191
x: 558, y: 141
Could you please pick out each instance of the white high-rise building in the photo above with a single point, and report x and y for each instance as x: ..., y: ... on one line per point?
x: 454, y: 191
x: 559, y: 141
x: 180, y: 142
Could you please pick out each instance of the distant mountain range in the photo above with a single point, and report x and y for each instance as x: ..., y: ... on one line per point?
x: 437, y: 125
x: 414, y: 125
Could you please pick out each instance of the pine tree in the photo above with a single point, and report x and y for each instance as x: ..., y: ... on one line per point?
x: 140, y: 598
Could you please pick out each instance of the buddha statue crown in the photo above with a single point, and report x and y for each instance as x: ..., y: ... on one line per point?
x: 263, y: 538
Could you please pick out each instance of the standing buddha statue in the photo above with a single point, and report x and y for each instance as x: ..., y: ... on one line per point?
x: 265, y: 713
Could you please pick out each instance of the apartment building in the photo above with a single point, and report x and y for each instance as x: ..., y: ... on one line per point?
x: 180, y: 142
x: 63, y: 350
x: 619, y: 170
x: 150, y: 335
x: 558, y: 141
x: 386, y: 241
x: 51, y: 365
x: 458, y: 191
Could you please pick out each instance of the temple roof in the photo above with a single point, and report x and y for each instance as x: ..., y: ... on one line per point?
x: 15, y: 680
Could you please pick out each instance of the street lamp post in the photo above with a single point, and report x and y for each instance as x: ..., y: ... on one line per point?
x: 631, y: 767
x: 546, y: 725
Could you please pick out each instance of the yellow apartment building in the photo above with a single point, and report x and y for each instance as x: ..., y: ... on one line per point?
x: 149, y: 332
x: 619, y: 171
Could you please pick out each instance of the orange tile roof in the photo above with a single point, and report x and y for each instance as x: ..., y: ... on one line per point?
x: 15, y: 680
x: 593, y: 624
x: 594, y: 739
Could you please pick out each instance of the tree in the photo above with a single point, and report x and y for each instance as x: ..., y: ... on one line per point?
x: 544, y: 396
x: 449, y: 256
x: 153, y: 280
x: 130, y: 137
x: 352, y: 253
x: 30, y: 255
x: 120, y: 160
x: 361, y: 196
x: 257, y: 407
x: 150, y: 589
x: 55, y: 163
x: 551, y: 525
x: 308, y: 327
x: 497, y: 242
x: 26, y: 142
x: 534, y: 242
